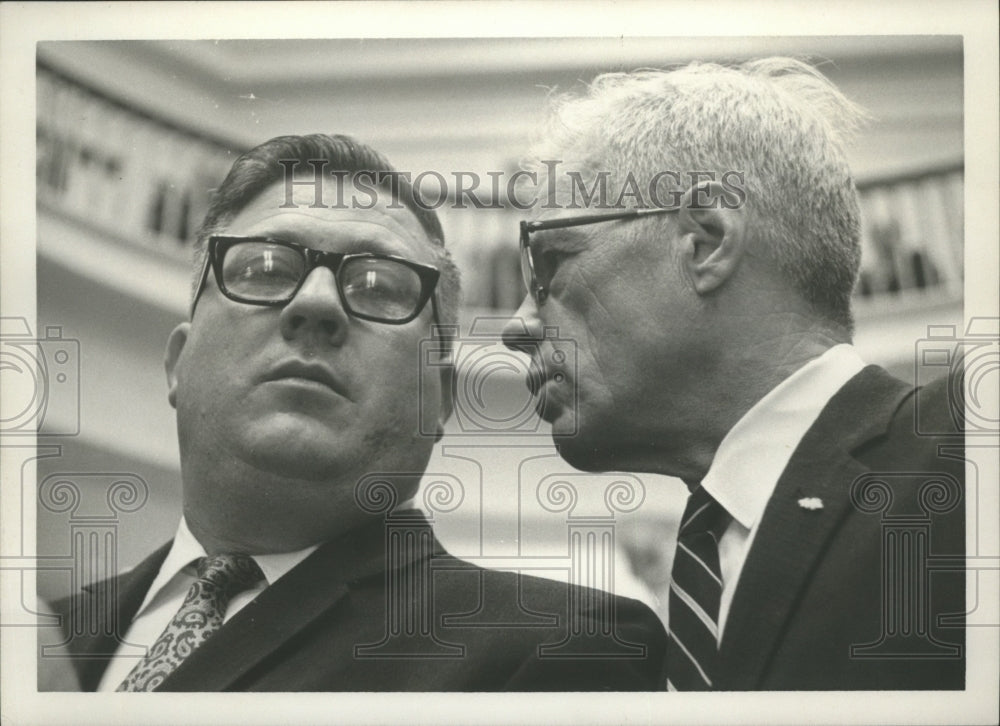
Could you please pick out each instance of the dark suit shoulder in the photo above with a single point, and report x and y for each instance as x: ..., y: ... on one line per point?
x: 95, y: 618
x: 547, y: 634
x: 924, y: 433
x: 555, y: 595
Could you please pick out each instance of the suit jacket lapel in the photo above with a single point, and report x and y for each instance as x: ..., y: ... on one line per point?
x: 260, y: 628
x: 284, y: 609
x: 790, y: 537
x: 95, y: 651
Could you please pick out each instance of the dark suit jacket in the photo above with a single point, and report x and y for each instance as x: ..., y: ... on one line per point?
x: 857, y: 595
x: 342, y: 621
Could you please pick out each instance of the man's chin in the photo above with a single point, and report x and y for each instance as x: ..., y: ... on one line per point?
x: 298, y: 453
x: 579, y: 454
x: 579, y: 448
x: 297, y: 466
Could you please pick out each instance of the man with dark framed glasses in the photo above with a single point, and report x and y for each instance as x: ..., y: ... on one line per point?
x: 713, y: 342
x: 263, y: 271
x: 535, y: 272
x: 297, y: 379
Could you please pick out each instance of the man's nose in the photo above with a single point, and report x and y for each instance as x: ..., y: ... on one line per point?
x: 524, y: 329
x: 316, y: 310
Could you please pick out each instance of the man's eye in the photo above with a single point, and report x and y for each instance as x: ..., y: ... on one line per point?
x: 270, y: 265
x: 267, y: 266
x: 551, y: 259
x: 376, y: 278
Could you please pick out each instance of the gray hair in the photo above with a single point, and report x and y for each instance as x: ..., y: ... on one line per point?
x: 777, y: 120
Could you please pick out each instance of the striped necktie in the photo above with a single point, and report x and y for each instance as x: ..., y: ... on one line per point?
x: 200, y: 616
x: 695, y: 593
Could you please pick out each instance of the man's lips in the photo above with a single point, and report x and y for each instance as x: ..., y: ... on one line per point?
x: 538, y: 376
x: 309, y: 371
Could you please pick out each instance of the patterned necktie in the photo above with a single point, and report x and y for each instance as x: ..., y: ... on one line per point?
x: 695, y: 593
x: 219, y: 578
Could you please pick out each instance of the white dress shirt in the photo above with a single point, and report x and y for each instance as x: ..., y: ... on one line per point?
x: 168, y: 590
x: 755, y: 452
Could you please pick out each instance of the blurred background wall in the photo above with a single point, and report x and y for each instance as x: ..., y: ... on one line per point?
x: 133, y: 135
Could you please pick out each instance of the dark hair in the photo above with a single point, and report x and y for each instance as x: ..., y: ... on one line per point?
x: 266, y: 164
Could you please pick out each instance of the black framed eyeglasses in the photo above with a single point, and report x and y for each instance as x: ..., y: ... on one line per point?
x: 536, y: 274
x: 372, y: 286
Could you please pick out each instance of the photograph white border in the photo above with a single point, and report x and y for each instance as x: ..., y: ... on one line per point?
x: 24, y: 24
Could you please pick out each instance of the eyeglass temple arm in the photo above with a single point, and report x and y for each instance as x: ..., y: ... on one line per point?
x: 203, y: 278
x: 591, y: 219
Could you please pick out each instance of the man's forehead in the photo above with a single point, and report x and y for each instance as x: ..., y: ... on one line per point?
x: 307, y: 203
x: 329, y: 191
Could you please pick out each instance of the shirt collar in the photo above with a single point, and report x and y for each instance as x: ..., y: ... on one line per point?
x: 752, y: 456
x: 186, y: 549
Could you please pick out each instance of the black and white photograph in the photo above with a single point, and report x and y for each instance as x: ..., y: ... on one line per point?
x: 500, y: 363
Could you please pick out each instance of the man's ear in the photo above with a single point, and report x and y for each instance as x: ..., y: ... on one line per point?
x: 713, y: 236
x: 175, y: 345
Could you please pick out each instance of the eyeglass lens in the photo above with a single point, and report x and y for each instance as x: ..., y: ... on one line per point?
x: 260, y: 271
x: 527, y: 266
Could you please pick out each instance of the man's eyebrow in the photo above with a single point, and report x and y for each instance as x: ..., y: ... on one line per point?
x: 362, y: 241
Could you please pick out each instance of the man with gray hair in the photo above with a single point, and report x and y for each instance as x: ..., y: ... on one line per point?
x: 698, y: 236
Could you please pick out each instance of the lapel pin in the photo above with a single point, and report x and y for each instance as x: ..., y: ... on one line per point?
x: 811, y: 503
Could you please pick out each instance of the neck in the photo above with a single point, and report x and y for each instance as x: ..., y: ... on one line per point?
x: 746, y: 368
x: 232, y: 503
x: 269, y: 514
x: 265, y: 530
